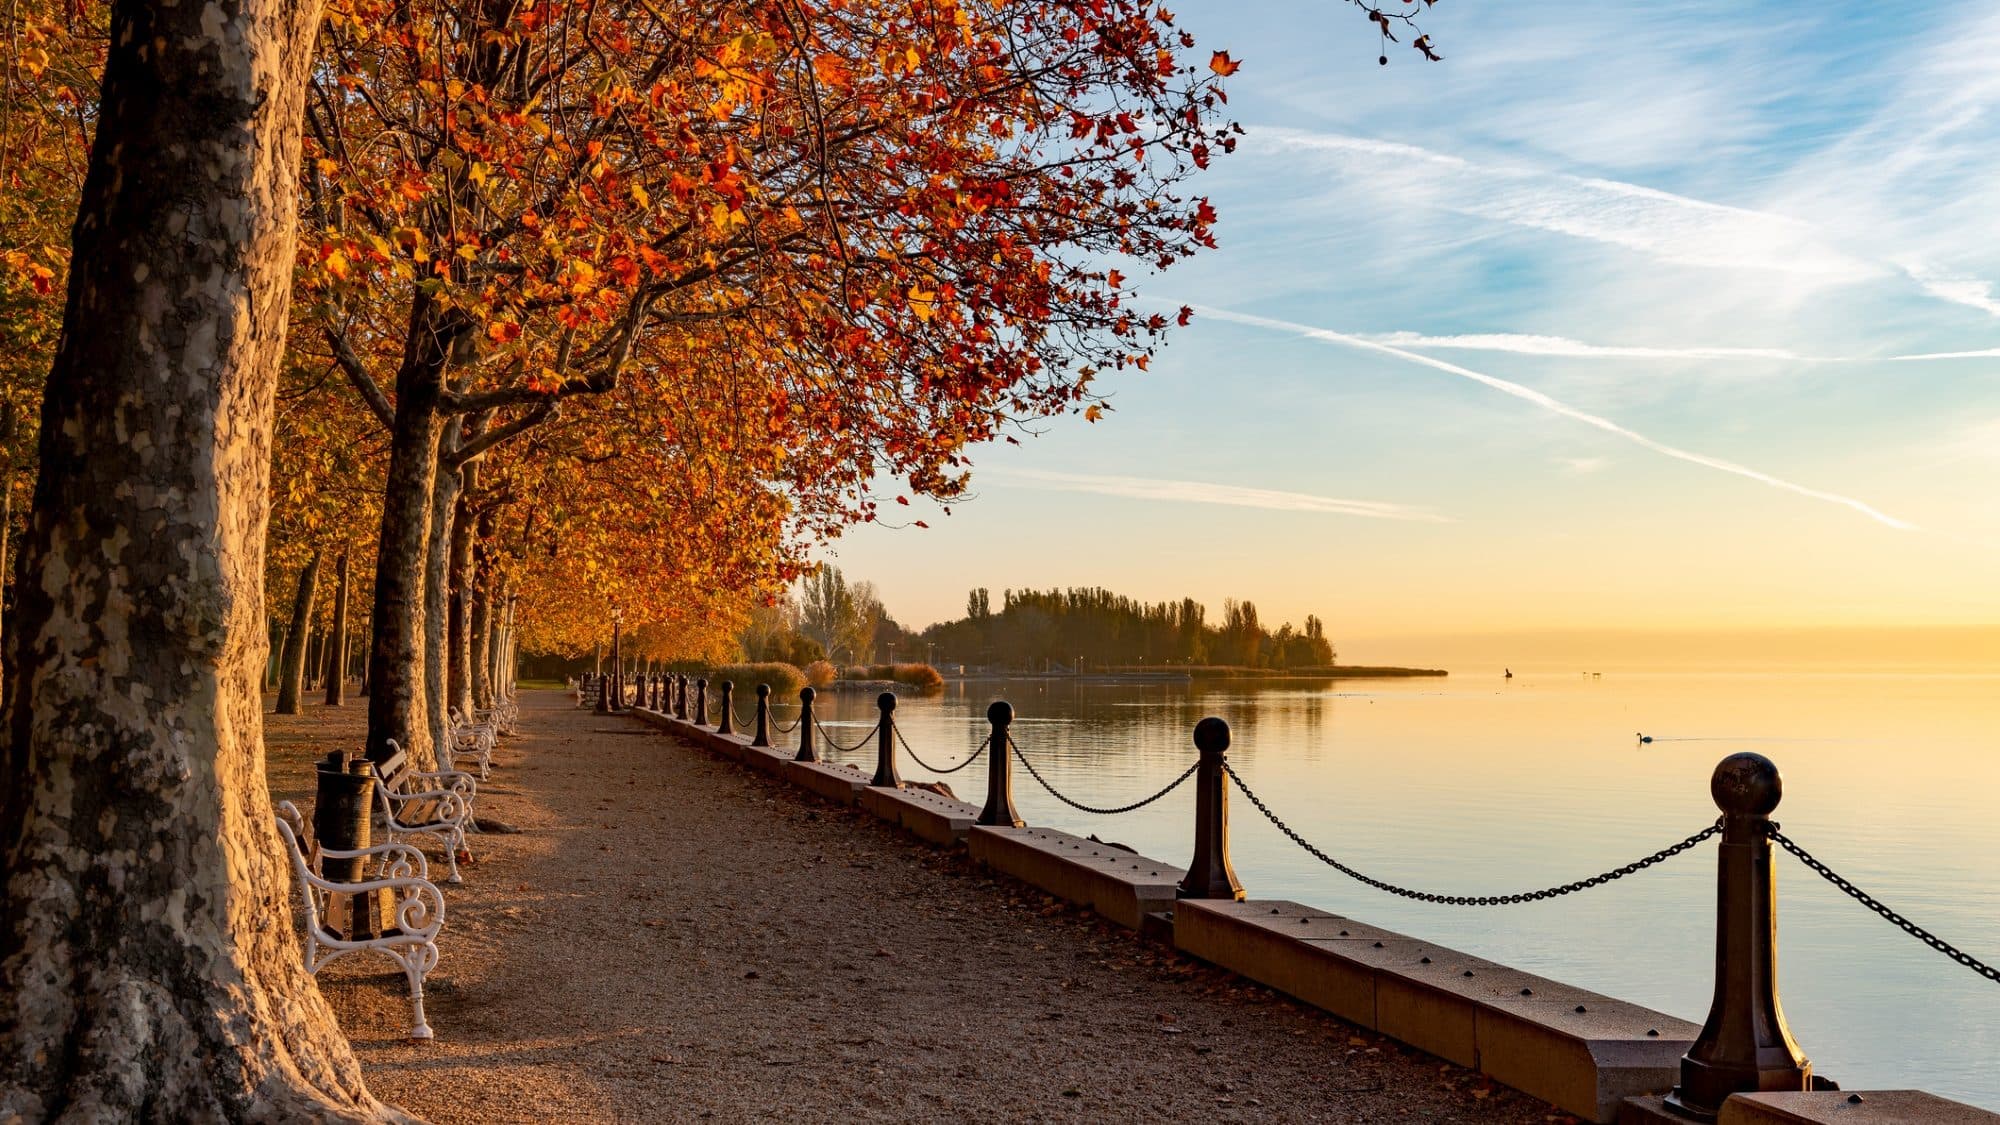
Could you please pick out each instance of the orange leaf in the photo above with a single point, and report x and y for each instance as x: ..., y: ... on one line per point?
x: 1222, y: 64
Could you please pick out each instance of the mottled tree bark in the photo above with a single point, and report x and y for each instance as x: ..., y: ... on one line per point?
x: 444, y: 503
x: 336, y: 637
x: 459, y: 575
x: 148, y: 967
x: 397, y: 699
x: 480, y: 624
x: 292, y: 667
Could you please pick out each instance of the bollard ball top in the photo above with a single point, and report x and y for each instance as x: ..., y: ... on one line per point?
x: 763, y: 690
x: 1000, y: 712
x: 1211, y: 735
x: 886, y: 701
x: 806, y: 695
x: 701, y: 681
x: 1746, y: 784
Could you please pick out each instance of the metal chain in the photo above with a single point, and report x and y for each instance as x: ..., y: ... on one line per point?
x: 782, y: 729
x: 1869, y: 901
x: 741, y: 723
x: 1473, y: 900
x: 913, y: 754
x: 1036, y: 774
x: 846, y: 749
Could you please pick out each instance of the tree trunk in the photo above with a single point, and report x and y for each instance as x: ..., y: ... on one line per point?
x: 292, y: 669
x: 8, y: 455
x: 397, y: 699
x: 481, y: 627
x: 148, y: 968
x: 444, y: 502
x: 503, y: 633
x: 9, y: 459
x: 336, y: 637
x: 458, y: 577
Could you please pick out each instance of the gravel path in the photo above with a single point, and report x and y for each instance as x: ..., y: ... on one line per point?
x: 672, y: 937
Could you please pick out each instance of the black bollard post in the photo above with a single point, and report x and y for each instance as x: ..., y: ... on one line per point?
x: 807, y: 751
x: 659, y: 689
x: 763, y: 716
x: 1744, y: 1047
x: 728, y: 723
x: 1210, y: 875
x: 681, y: 696
x: 885, y: 743
x: 639, y: 696
x: 603, y: 695
x: 999, y: 811
x: 701, y: 701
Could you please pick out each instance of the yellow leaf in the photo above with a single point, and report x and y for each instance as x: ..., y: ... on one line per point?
x: 923, y: 302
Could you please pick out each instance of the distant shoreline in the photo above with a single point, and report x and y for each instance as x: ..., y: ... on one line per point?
x: 1339, y: 672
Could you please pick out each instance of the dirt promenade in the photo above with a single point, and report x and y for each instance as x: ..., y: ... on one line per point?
x: 673, y: 937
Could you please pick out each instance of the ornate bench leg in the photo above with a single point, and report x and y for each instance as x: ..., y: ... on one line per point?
x: 416, y: 963
x: 454, y: 840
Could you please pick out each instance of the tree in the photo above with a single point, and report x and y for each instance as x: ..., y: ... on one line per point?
x: 140, y: 974
x: 898, y: 215
x: 292, y: 665
x: 828, y: 612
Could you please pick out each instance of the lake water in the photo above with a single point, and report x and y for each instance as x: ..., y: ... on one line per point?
x: 1475, y: 785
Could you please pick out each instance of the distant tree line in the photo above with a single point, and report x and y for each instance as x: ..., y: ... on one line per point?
x: 825, y: 618
x: 1034, y: 629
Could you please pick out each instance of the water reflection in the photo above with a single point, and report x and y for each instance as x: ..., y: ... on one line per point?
x: 1476, y: 786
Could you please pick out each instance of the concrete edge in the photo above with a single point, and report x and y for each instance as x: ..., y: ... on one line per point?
x: 1122, y: 886
x: 929, y: 817
x: 1580, y: 1051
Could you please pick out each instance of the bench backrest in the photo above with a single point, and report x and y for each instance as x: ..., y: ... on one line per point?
x: 291, y: 826
x: 392, y: 768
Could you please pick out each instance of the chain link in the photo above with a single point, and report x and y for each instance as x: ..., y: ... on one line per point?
x: 1036, y: 774
x: 907, y: 749
x: 1612, y: 875
x: 1869, y: 901
x: 845, y: 749
x: 783, y: 729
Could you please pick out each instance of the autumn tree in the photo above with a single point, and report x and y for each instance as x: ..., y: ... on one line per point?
x: 140, y: 977
x: 907, y: 209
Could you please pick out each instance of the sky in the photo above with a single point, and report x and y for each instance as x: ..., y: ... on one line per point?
x: 1626, y: 316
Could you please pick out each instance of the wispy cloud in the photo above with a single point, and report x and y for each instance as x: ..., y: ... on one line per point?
x: 1563, y: 346
x: 1982, y: 353
x: 1667, y: 227
x: 1968, y: 291
x: 1555, y: 406
x: 1207, y: 492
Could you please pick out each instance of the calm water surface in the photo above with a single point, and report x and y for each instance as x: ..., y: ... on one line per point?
x: 1472, y: 785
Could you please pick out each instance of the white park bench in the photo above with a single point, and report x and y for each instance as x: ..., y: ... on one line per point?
x: 419, y: 909
x: 435, y: 803
x: 505, y: 712
x: 475, y: 739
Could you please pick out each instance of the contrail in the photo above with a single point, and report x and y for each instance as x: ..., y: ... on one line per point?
x: 1206, y: 492
x: 1982, y: 353
x: 1556, y: 406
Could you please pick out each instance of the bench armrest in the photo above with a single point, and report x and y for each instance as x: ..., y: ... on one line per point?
x: 400, y: 861
x: 456, y: 780
x: 419, y: 904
